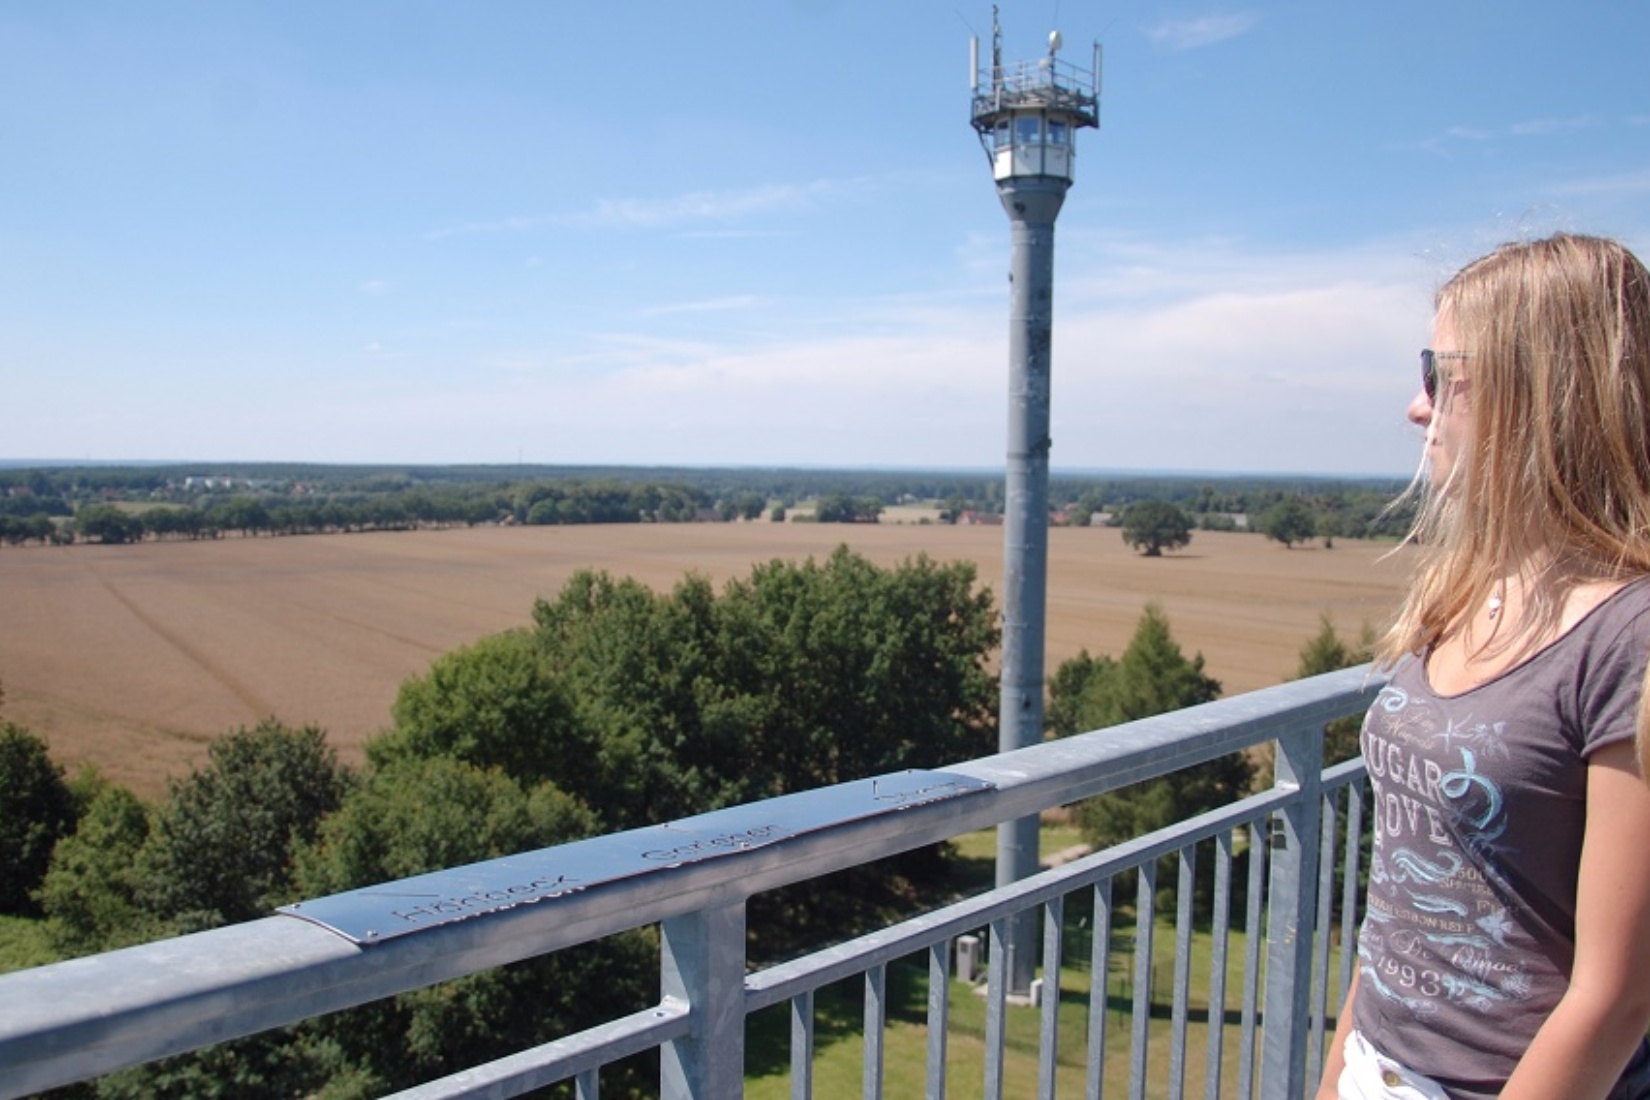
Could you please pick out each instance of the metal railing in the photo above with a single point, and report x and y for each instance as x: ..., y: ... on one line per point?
x: 85, y: 1017
x: 1047, y: 83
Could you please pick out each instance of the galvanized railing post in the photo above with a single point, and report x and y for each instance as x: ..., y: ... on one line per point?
x: 702, y: 962
x: 1298, y: 767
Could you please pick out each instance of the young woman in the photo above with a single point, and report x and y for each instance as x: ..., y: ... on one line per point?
x: 1505, y: 950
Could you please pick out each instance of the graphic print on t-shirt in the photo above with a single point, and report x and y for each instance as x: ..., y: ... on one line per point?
x: 1436, y: 931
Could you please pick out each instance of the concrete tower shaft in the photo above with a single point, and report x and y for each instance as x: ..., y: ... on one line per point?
x: 1026, y: 119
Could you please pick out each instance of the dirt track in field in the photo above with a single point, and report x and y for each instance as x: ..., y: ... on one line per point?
x: 134, y: 658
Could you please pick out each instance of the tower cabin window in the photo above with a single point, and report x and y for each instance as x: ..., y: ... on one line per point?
x: 1028, y: 130
x: 1056, y: 131
x: 1000, y: 134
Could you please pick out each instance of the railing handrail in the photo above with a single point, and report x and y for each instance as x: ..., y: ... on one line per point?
x: 84, y: 1017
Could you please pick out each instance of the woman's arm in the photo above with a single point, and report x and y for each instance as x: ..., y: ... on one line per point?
x: 1334, y: 1058
x: 1584, y: 1045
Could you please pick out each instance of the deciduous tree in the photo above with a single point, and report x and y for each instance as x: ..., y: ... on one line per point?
x: 426, y: 815
x: 108, y: 524
x: 1153, y: 526
x: 653, y: 707
x: 842, y: 508
x: 222, y: 843
x: 499, y: 702
x: 90, y: 895
x: 855, y: 669
x: 36, y: 811
x: 1289, y: 521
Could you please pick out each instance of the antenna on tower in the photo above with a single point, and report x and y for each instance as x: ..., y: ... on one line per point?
x: 996, y: 50
x: 1027, y: 117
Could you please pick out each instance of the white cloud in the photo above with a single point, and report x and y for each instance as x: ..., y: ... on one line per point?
x: 695, y: 208
x: 1207, y: 30
x: 732, y: 234
x: 1469, y: 133
x: 1621, y: 183
x: 1539, y: 127
x: 1481, y: 135
x: 1208, y: 354
x: 374, y: 286
x: 501, y: 225
x: 1225, y: 359
x: 710, y: 206
x: 709, y: 305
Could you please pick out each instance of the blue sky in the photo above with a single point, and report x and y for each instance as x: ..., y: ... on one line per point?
x: 764, y: 233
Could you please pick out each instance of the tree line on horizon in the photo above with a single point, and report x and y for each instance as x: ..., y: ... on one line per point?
x: 619, y: 707
x: 115, y: 505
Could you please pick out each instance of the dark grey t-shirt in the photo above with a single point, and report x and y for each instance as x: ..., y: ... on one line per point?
x: 1480, y: 803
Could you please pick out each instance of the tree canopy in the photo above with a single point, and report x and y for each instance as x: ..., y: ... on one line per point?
x: 1327, y: 651
x: 1153, y: 526
x: 1153, y: 676
x: 36, y: 811
x: 1289, y: 521
x: 842, y: 508
x: 657, y: 706
x: 422, y: 815
x: 221, y: 847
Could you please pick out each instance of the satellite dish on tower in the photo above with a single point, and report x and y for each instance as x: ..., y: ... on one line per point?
x: 1054, y: 42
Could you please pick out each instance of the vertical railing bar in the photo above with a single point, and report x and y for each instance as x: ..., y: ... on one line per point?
x: 1144, y: 918
x: 1186, y: 889
x: 1297, y: 772
x: 876, y: 1028
x: 996, y: 1009
x: 1099, y: 983
x: 1253, y: 935
x: 1321, y: 936
x: 1054, y: 928
x: 1349, y: 887
x: 1220, y: 932
x: 587, y: 1085
x: 939, y: 1015
x: 802, y: 1046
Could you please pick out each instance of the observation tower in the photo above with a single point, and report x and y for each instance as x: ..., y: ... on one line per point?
x: 1027, y: 117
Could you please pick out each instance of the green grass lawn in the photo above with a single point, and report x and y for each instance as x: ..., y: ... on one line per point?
x: 839, y: 1013
x: 839, y: 1048
x: 982, y: 845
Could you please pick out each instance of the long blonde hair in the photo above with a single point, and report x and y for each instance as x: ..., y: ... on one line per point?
x: 1557, y: 333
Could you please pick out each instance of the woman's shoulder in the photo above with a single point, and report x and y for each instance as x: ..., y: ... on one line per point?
x: 1617, y: 608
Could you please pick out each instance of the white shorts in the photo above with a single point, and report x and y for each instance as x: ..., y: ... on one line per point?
x: 1371, y: 1075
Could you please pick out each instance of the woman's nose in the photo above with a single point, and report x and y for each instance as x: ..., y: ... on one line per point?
x: 1420, y: 409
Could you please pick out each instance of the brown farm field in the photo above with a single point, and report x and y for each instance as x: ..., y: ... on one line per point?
x: 133, y: 658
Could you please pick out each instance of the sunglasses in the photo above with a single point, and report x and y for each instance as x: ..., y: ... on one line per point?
x: 1429, y: 368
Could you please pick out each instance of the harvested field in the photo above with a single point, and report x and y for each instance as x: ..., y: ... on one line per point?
x: 135, y: 657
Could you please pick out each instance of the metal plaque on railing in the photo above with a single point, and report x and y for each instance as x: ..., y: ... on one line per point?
x: 378, y: 913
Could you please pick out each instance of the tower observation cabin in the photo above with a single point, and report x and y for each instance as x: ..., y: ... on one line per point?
x: 1028, y: 114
